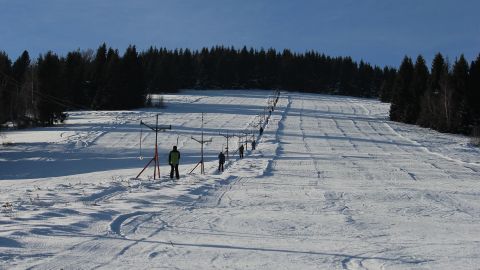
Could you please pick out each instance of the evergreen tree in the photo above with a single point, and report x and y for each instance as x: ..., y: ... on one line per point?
x: 203, y: 67
x: 365, y: 85
x: 272, y: 79
x: 473, y: 92
x: 445, y: 100
x: 459, y: 118
x: 388, y: 81
x: 20, y: 66
x: 244, y: 68
x: 287, y: 69
x: 401, y: 90
x: 108, y: 95
x: 378, y: 78
x: 99, y: 77
x: 131, y: 91
x: 76, y: 85
x: 22, y: 97
x: 347, y: 73
x: 416, y: 91
x: 150, y: 61
x: 224, y: 71
x: 260, y: 69
x: 431, y: 109
x: 5, y: 87
x: 111, y: 96
x: 51, y: 104
x: 186, y: 70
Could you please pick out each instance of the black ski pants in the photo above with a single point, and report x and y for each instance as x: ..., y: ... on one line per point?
x: 220, y: 166
x: 172, y: 169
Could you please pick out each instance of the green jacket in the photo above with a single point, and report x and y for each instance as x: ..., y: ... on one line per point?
x: 174, y: 157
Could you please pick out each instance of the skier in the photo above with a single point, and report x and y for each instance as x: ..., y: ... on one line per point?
x: 261, y: 131
x: 221, y: 161
x: 173, y: 160
x: 240, y: 151
x: 254, y: 143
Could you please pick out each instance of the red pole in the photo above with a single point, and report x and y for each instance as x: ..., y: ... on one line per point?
x: 145, y: 167
x: 157, y: 165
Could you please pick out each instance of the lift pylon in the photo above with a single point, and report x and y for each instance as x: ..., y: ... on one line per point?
x: 201, y: 142
x: 157, y: 128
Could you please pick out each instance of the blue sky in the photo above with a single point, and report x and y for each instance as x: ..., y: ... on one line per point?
x: 378, y: 31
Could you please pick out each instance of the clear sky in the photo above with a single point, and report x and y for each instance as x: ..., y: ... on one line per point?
x: 378, y: 31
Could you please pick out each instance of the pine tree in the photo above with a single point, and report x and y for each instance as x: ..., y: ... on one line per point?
x: 21, y: 99
x: 76, y: 81
x: 186, y: 70
x: 150, y: 62
x: 347, y: 73
x: 287, y: 70
x: 51, y: 104
x: 5, y: 87
x: 244, y: 68
x: 459, y: 119
x: 131, y: 91
x: 473, y: 92
x: 416, y: 91
x: 202, y: 70
x: 365, y: 85
x: 432, y: 108
x: 111, y: 97
x: 272, y: 77
x: 225, y: 71
x: 388, y: 81
x: 99, y: 79
x: 378, y: 77
x: 401, y: 90
x: 20, y: 66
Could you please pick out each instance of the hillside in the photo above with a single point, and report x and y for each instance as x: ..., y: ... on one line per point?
x: 331, y: 185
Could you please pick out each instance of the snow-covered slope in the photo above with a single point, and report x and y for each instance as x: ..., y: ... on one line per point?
x: 331, y: 185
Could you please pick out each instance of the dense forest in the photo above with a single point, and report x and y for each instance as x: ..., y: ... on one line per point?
x: 40, y: 91
x: 445, y: 98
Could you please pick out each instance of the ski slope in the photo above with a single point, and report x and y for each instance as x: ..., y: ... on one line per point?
x: 331, y: 185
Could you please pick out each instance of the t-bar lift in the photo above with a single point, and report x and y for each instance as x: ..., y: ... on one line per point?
x: 157, y: 128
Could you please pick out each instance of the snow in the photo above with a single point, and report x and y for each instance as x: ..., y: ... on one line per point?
x: 332, y: 185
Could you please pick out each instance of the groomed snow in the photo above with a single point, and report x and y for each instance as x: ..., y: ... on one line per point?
x: 331, y: 185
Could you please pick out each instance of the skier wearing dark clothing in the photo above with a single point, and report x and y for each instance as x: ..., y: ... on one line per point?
x: 261, y: 131
x: 173, y: 160
x: 221, y: 161
x: 240, y: 151
x: 254, y: 143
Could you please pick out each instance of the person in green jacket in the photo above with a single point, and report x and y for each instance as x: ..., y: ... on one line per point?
x: 173, y: 160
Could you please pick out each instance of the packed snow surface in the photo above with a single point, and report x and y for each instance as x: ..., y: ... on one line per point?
x: 332, y: 185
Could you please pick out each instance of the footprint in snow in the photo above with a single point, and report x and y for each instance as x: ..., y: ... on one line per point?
x: 153, y: 255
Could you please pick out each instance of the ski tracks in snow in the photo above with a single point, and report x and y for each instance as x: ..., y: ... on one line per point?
x: 331, y: 185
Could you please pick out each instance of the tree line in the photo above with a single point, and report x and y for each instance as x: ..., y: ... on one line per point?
x: 39, y: 91
x: 445, y: 98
